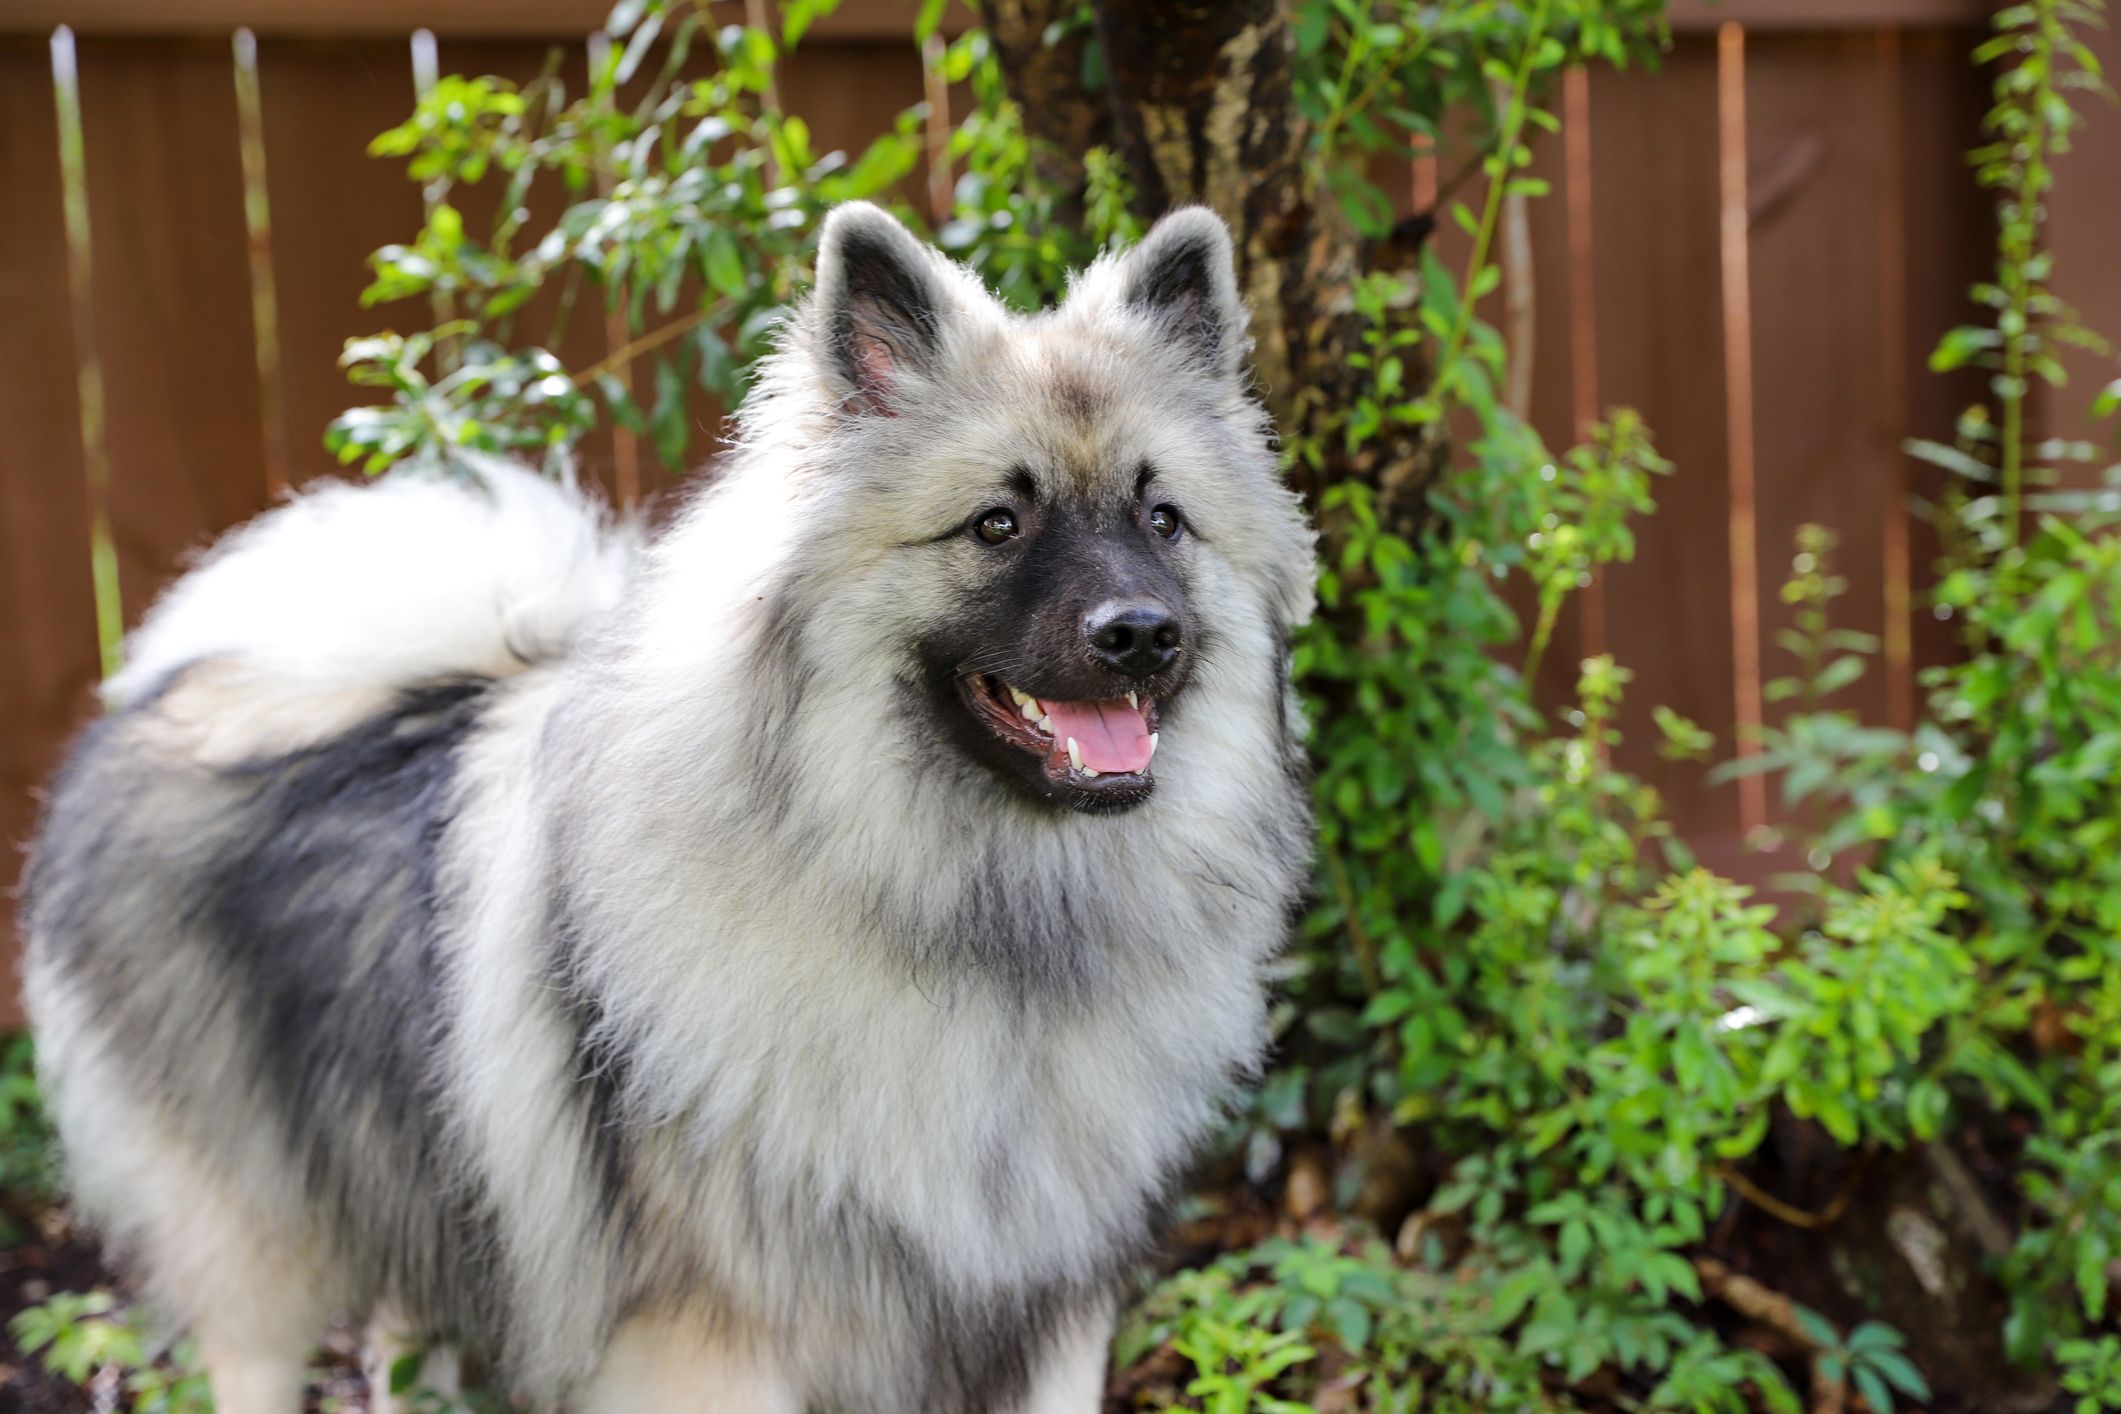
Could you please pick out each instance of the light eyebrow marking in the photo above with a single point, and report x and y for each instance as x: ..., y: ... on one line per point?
x: 1019, y: 480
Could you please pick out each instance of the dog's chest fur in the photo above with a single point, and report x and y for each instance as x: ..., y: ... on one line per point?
x: 778, y: 1066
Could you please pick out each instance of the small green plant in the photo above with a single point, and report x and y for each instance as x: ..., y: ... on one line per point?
x: 1238, y: 1363
x: 1869, y: 1357
x: 83, y: 1336
x: 2091, y: 1370
x: 1837, y: 771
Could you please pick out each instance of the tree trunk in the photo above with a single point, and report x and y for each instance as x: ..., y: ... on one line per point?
x: 1046, y: 80
x: 1200, y: 103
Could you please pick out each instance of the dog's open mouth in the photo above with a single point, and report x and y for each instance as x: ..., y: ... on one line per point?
x: 1100, y: 748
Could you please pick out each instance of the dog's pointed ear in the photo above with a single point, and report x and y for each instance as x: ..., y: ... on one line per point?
x: 1184, y: 276
x: 880, y: 302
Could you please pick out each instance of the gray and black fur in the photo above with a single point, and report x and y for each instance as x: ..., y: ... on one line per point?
x: 671, y: 969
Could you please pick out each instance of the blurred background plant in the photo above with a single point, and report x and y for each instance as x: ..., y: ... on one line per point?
x: 1558, y: 1119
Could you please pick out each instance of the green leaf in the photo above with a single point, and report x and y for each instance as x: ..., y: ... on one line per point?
x: 929, y: 20
x: 725, y: 265
x: 1873, y: 1389
x: 1900, y: 1372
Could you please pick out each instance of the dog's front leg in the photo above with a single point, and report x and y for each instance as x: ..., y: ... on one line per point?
x: 1071, y: 1378
x: 678, y: 1367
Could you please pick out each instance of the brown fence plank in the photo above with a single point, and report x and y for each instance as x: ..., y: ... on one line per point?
x: 172, y: 293
x: 1825, y: 440
x: 1948, y: 239
x: 1552, y: 408
x: 332, y: 204
x: 856, y: 19
x: 1654, y: 207
x: 2085, y: 211
x: 1769, y: 16
x: 47, y: 608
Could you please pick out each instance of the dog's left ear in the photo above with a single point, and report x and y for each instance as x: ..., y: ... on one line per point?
x: 881, y: 305
x: 1184, y: 276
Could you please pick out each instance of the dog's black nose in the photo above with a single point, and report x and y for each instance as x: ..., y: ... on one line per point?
x: 1138, y: 637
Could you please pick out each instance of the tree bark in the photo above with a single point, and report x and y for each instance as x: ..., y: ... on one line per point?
x: 1200, y: 102
x: 1063, y: 119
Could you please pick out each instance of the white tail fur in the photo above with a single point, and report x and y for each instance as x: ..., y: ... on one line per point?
x: 353, y: 592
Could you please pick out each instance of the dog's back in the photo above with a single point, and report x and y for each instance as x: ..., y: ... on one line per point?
x: 230, y: 906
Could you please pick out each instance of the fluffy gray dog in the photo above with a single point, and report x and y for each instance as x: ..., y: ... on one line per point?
x: 779, y: 965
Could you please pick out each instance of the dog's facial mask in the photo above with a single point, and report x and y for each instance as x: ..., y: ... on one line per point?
x: 1069, y: 631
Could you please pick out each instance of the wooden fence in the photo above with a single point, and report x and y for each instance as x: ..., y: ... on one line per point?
x: 1754, y: 245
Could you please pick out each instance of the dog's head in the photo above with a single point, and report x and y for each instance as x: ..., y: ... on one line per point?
x: 1066, y: 532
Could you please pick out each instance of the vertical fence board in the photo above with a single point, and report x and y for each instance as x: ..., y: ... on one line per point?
x: 47, y: 609
x: 1948, y: 239
x: 173, y: 310
x: 332, y: 204
x: 1552, y: 406
x: 2085, y: 209
x: 1824, y: 438
x: 1659, y: 344
x: 1896, y: 657
x: 850, y: 92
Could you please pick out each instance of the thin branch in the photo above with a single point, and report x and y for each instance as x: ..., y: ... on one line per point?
x: 1757, y: 1301
x: 649, y: 342
x: 1768, y: 1203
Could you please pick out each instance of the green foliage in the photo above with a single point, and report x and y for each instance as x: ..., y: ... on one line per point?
x: 2091, y: 1370
x: 1289, y: 1322
x: 2027, y: 129
x: 1870, y: 1358
x: 1395, y: 79
x: 659, y: 169
x: 98, y: 1342
x: 1005, y: 221
x: 83, y: 1336
x: 1596, y: 1036
x: 26, y: 1156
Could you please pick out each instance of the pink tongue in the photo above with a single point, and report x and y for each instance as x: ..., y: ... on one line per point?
x: 1111, y: 735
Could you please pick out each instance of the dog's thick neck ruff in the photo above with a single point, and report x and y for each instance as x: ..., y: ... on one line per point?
x: 826, y: 927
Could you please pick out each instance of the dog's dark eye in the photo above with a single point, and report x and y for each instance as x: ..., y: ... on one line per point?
x: 996, y: 526
x: 1164, y: 521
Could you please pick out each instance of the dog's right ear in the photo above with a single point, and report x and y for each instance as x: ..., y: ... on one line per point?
x: 881, y: 305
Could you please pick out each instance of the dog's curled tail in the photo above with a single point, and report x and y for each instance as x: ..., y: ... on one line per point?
x: 351, y: 593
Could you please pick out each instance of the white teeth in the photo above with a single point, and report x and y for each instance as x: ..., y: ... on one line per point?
x: 1045, y: 724
x: 1029, y: 707
x: 1152, y: 744
x: 1075, y: 754
x: 1134, y: 701
x: 1019, y: 697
